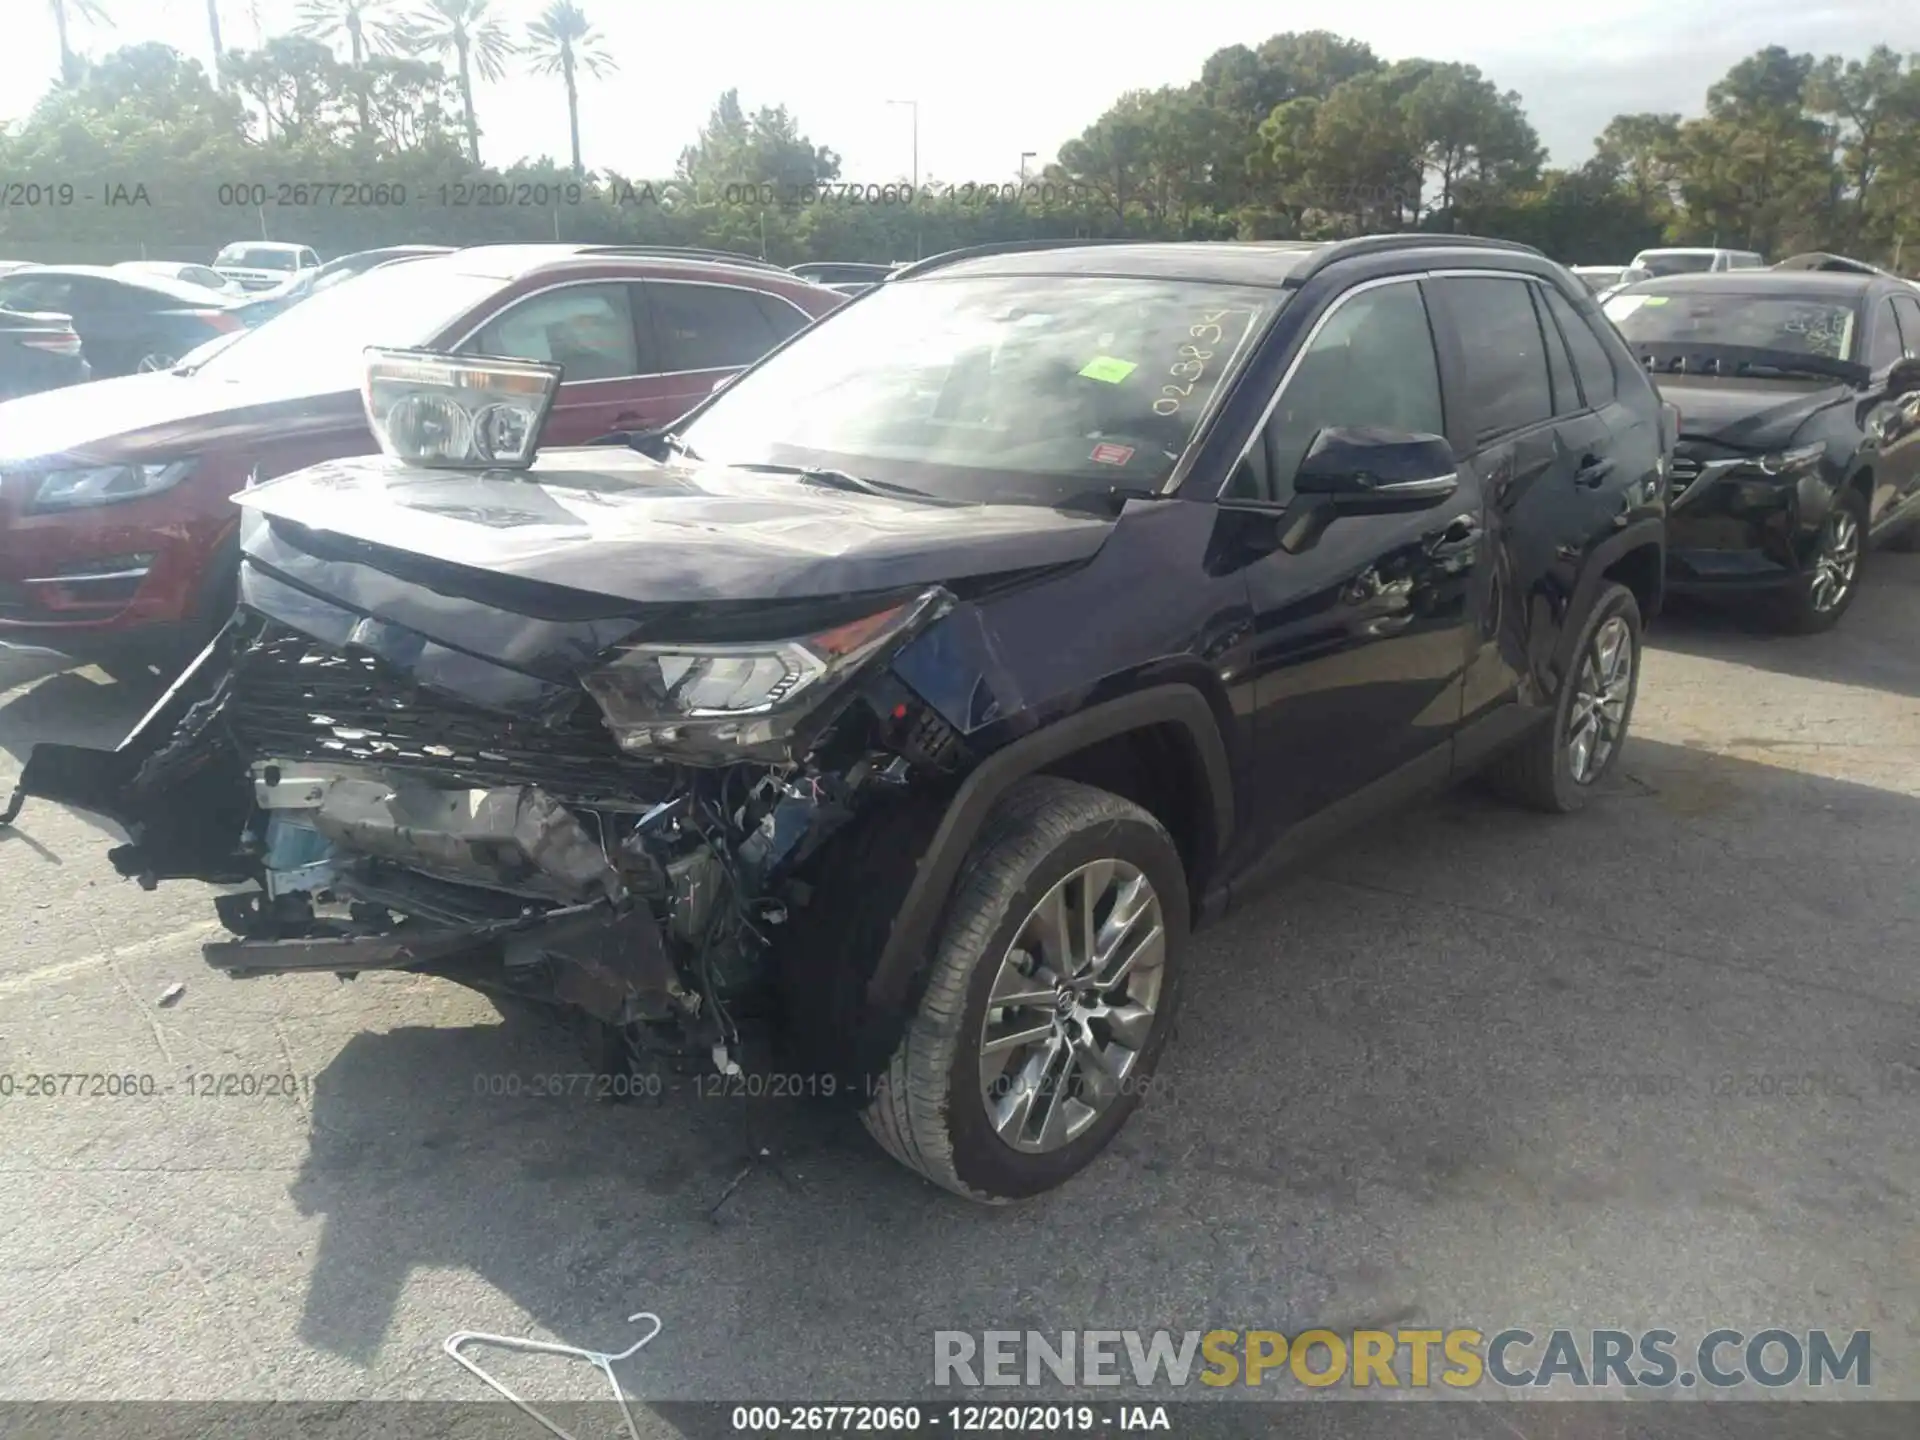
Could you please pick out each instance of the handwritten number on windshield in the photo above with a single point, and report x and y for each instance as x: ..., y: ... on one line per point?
x: 1191, y: 364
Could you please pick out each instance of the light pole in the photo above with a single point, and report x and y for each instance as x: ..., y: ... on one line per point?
x: 1026, y: 155
x: 914, y: 106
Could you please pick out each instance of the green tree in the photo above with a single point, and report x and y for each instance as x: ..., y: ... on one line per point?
x: 1467, y: 128
x: 734, y: 148
x: 1758, y: 169
x: 476, y: 38
x: 298, y: 86
x: 1873, y: 105
x: 563, y: 42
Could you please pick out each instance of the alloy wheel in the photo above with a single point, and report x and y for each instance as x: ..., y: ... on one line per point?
x: 1837, y: 563
x: 1597, y: 720
x: 1072, y: 1006
x: 148, y: 364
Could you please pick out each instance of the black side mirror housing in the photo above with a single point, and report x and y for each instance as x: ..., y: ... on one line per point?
x: 1366, y: 470
x: 1904, y: 378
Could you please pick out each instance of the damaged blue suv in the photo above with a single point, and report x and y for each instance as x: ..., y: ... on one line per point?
x: 911, y: 700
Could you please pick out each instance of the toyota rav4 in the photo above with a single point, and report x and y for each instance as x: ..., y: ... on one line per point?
x: 911, y: 701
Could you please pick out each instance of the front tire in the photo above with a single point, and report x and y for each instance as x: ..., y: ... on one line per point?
x: 1049, y: 998
x: 1820, y: 597
x: 1558, y: 766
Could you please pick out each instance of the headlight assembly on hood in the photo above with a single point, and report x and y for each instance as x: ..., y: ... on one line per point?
x: 105, y: 485
x: 720, y: 703
x: 1792, y: 462
x: 477, y: 413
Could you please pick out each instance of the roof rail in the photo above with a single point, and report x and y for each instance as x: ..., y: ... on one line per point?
x: 998, y: 247
x: 1337, y: 250
x: 682, y: 252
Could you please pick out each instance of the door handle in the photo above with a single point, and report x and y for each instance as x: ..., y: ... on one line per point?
x: 627, y: 419
x: 1592, y: 471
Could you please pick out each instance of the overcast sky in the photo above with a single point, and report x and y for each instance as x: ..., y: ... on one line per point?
x: 994, y: 78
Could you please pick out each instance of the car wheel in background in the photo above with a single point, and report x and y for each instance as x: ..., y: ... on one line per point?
x: 1821, y: 596
x: 154, y: 361
x: 1050, y: 996
x: 1557, y: 767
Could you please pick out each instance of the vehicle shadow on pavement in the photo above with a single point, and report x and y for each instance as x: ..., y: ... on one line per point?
x: 1871, y: 647
x: 1474, y: 1066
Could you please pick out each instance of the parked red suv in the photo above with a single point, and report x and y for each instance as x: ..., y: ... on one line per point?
x: 117, y: 531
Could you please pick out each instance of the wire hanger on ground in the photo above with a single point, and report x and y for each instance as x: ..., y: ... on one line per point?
x: 600, y: 1360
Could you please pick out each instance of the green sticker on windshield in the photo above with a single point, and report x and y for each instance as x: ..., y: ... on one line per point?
x: 1105, y: 367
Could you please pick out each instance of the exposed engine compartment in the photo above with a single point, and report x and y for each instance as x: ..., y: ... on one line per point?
x: 371, y: 822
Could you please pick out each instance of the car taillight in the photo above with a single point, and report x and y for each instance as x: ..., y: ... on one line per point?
x: 221, y: 320
x: 66, y: 343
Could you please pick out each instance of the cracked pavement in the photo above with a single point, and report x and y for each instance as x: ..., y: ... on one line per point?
x: 1652, y: 1065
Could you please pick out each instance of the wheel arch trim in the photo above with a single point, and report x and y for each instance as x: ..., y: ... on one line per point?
x: 1650, y: 532
x: 904, y: 956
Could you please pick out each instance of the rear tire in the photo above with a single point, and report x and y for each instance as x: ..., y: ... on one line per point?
x: 1547, y: 771
x: 1021, y: 1062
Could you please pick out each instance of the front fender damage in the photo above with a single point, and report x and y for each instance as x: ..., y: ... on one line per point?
x: 360, y: 821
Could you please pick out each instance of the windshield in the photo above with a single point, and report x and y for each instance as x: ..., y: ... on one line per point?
x: 1657, y: 264
x: 254, y: 257
x: 994, y: 388
x: 322, y: 340
x: 1805, y: 325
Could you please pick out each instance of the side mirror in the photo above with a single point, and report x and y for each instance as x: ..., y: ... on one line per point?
x: 1904, y: 378
x: 1365, y: 470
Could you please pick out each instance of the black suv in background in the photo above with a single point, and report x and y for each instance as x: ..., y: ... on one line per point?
x: 925, y: 686
x: 1799, y: 398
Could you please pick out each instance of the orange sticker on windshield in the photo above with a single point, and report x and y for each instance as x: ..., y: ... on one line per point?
x: 1113, y: 454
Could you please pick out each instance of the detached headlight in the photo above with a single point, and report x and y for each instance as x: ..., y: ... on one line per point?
x: 446, y: 410
x: 1792, y: 462
x: 719, y: 703
x: 105, y: 485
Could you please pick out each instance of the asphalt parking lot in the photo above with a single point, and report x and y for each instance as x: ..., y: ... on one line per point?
x: 1655, y: 1065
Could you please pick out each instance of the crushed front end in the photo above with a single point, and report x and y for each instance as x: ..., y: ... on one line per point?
x: 370, y: 798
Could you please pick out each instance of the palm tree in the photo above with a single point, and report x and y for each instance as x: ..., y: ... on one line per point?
x: 478, y: 41
x: 563, y: 42
x: 63, y: 11
x: 365, y: 27
x: 361, y: 21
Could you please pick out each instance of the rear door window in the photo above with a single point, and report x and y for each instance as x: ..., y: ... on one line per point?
x: 1506, y: 380
x: 1566, y: 394
x: 1590, y: 360
x: 587, y: 330
x: 708, y: 327
x: 782, y: 318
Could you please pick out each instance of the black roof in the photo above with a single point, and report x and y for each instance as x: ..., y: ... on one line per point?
x: 1273, y: 263
x: 1838, y: 284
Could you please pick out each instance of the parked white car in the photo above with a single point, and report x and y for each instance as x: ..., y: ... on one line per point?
x: 1696, y: 260
x: 1603, y: 278
x: 204, y: 276
x: 263, y: 264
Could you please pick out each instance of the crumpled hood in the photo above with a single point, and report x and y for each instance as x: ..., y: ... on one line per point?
x: 609, y: 521
x: 1745, y: 414
x: 135, y: 417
